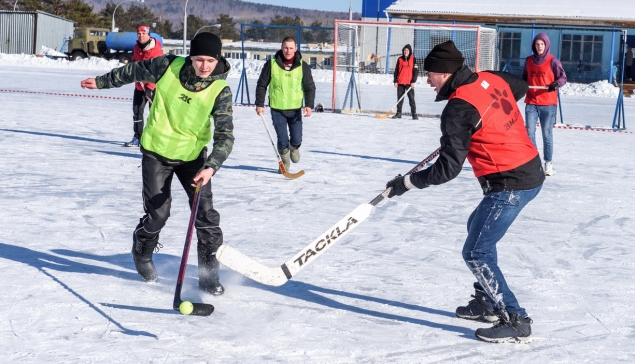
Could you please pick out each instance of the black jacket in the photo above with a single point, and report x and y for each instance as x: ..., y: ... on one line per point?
x: 308, y: 86
x: 459, y: 121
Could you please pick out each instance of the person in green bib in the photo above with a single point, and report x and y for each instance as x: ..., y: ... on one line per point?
x: 290, y: 86
x: 189, y: 91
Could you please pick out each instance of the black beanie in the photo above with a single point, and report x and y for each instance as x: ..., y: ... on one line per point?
x: 443, y: 58
x: 206, y: 44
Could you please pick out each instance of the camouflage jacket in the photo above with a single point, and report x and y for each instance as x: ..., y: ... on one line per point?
x: 151, y: 70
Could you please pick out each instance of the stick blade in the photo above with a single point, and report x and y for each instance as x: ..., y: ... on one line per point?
x: 202, y: 309
x: 240, y: 263
x: 382, y: 116
x: 287, y: 173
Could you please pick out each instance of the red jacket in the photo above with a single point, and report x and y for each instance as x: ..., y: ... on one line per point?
x: 152, y: 50
x: 502, y: 143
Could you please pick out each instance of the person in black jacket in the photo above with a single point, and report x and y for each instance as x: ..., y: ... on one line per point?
x: 482, y: 123
x: 290, y: 81
x: 405, y: 77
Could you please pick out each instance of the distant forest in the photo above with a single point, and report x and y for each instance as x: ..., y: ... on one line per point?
x: 240, y: 11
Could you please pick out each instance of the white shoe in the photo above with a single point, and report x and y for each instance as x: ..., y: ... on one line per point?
x: 548, y: 169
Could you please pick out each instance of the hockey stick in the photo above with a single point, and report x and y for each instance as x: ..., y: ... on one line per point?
x: 200, y: 309
x: 277, y: 276
x: 280, y: 164
x: 382, y: 116
x: 540, y: 87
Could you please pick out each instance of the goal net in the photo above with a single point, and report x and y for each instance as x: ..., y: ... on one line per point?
x: 366, y: 53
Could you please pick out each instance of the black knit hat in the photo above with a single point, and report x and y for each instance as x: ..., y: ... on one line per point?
x: 443, y: 58
x: 206, y: 44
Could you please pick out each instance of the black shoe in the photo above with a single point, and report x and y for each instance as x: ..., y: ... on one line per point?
x: 510, y: 328
x: 415, y: 117
x: 478, y: 309
x: 397, y: 116
x: 208, y: 279
x: 142, y: 250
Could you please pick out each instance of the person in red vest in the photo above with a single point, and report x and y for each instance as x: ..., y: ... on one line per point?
x: 406, y: 73
x: 543, y: 70
x: 147, y: 47
x: 481, y: 122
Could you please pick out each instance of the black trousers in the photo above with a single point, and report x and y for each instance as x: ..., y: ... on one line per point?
x: 401, y: 89
x: 139, y: 100
x: 157, y: 198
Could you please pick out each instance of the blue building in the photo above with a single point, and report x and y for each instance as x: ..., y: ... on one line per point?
x: 589, y: 37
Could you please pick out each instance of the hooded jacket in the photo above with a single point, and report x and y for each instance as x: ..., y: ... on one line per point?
x: 556, y: 67
x: 308, y: 86
x: 152, y: 49
x: 459, y: 122
x: 406, y: 70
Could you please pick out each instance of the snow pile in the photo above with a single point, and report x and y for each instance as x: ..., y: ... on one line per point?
x: 29, y: 60
x: 600, y: 88
x: 50, y: 52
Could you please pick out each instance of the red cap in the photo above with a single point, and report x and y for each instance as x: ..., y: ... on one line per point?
x: 143, y: 29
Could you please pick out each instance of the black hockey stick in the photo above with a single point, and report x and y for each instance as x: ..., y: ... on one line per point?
x: 277, y: 276
x: 199, y: 309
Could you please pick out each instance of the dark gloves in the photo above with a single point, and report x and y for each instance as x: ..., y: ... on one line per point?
x: 398, y: 186
x: 553, y: 86
x: 149, y: 94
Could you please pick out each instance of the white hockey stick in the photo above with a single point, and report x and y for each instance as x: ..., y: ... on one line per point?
x: 540, y: 87
x: 277, y: 276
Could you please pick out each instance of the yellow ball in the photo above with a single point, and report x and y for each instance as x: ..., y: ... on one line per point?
x: 186, y: 307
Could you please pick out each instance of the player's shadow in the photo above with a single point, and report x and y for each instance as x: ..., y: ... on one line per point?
x: 73, y: 137
x: 327, y: 297
x: 366, y: 157
x: 47, y: 263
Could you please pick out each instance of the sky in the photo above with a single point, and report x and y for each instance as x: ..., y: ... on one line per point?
x: 70, y: 197
x: 326, y: 5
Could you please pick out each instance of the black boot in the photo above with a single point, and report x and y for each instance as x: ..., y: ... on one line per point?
x: 142, y: 249
x: 414, y: 115
x: 397, y: 115
x: 208, y: 279
x: 478, y: 309
x: 509, y: 328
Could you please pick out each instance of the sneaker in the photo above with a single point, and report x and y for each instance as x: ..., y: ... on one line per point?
x: 284, y: 155
x: 295, y: 154
x: 478, y: 309
x: 133, y: 143
x: 208, y: 279
x: 397, y: 116
x: 548, y: 169
x: 142, y: 250
x: 510, y: 328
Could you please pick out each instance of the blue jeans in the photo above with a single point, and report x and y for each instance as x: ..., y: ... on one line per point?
x: 547, y: 115
x: 292, y: 118
x: 485, y: 227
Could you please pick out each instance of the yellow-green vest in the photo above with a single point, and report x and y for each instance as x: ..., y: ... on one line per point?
x: 285, y: 87
x: 179, y: 127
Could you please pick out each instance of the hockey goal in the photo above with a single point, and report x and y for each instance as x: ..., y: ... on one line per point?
x: 366, y: 52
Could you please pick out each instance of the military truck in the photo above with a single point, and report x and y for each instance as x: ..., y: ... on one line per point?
x: 100, y: 42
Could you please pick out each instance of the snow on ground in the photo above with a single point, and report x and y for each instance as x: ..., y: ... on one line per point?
x: 70, y: 198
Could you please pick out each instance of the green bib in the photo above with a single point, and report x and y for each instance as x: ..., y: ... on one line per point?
x: 178, y: 126
x: 285, y: 87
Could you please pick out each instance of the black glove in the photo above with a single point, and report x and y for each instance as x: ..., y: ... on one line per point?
x: 149, y: 95
x: 553, y: 86
x: 398, y: 186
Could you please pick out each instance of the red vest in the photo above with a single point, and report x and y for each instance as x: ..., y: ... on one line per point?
x: 141, y: 55
x: 540, y: 76
x: 502, y: 143
x: 405, y: 70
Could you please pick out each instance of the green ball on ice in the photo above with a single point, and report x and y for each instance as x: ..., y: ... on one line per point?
x: 186, y: 307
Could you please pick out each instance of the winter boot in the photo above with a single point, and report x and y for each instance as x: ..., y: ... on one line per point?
x: 510, y: 328
x: 284, y: 155
x: 295, y: 154
x: 478, y: 309
x: 397, y: 115
x: 142, y: 249
x: 548, y: 169
x: 208, y: 279
x: 414, y: 115
x: 133, y: 143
